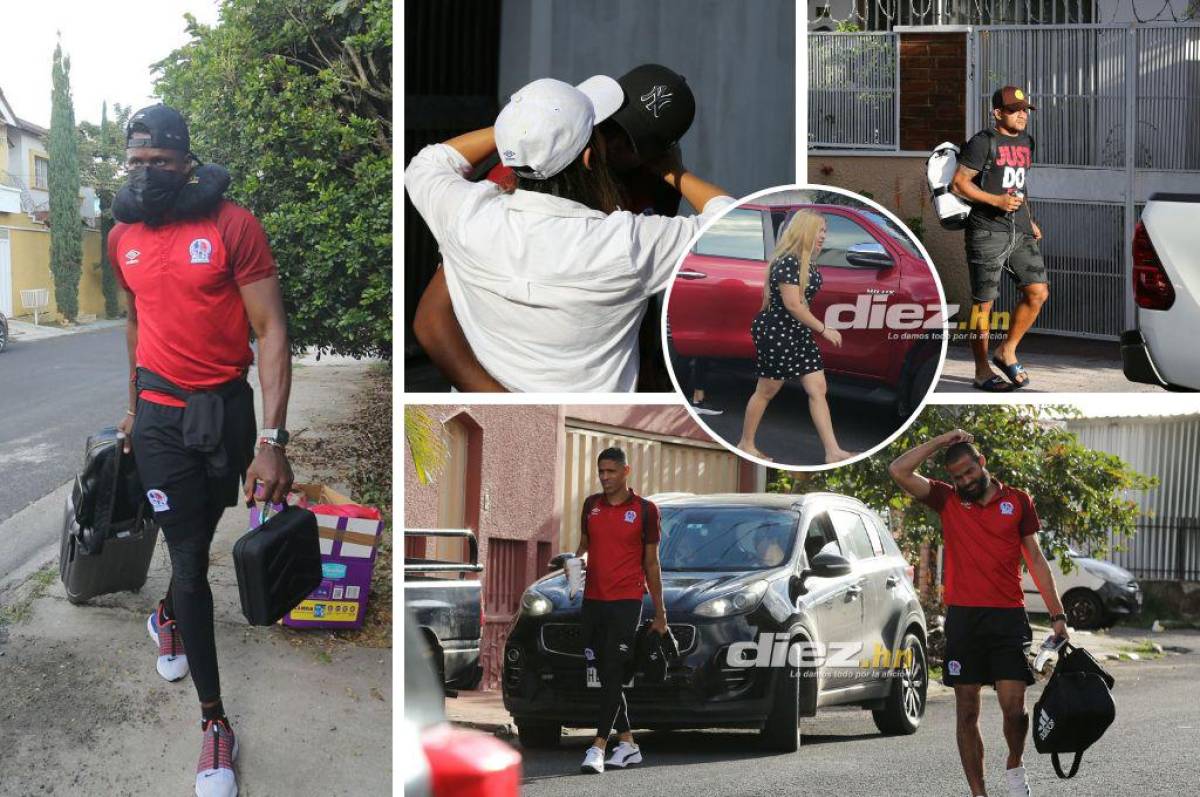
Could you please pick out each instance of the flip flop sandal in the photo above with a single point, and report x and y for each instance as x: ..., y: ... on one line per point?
x: 993, y: 384
x: 1011, y: 371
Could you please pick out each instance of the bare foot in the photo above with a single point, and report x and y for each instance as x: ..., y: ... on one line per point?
x: 838, y: 456
x: 752, y: 450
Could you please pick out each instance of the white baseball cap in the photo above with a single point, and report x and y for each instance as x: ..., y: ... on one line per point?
x: 547, y: 123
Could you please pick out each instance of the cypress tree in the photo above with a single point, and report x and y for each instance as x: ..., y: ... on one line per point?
x: 66, y: 233
x: 108, y: 281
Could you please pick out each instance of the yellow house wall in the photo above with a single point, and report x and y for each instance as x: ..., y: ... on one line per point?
x: 30, y: 250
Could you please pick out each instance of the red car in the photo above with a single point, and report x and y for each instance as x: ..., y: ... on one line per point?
x: 887, y: 304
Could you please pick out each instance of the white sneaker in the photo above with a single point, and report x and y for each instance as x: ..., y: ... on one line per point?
x: 1018, y: 786
x: 625, y: 754
x: 593, y: 762
x: 172, y: 662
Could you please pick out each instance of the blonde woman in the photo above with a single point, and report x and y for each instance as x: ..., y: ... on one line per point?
x: 783, y: 333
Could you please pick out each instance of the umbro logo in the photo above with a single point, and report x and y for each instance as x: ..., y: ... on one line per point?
x: 131, y: 257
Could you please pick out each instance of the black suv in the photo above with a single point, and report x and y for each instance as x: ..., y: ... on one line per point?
x: 757, y: 587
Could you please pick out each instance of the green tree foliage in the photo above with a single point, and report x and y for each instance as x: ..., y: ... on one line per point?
x: 66, y: 226
x: 294, y: 98
x: 101, y: 156
x: 426, y: 441
x: 1081, y: 494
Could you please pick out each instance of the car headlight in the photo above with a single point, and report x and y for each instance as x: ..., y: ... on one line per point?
x: 535, y: 604
x: 740, y: 602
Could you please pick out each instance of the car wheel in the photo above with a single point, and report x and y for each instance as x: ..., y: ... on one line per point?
x: 781, y: 732
x: 905, y: 704
x: 921, y: 382
x: 536, y: 735
x: 1083, y: 609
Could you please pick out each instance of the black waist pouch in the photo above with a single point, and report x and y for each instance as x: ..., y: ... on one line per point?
x: 203, y: 417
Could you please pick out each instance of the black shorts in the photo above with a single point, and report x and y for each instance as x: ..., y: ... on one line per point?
x: 991, y: 252
x: 986, y: 644
x: 175, y: 478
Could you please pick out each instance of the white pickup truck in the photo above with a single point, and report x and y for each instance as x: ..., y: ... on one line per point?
x: 1164, y: 349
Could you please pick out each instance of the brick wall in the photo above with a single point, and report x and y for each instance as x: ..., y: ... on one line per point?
x: 933, y: 85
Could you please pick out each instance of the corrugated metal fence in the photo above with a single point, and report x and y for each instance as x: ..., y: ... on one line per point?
x: 853, y: 90
x: 658, y: 466
x: 1167, y: 543
x: 1116, y: 107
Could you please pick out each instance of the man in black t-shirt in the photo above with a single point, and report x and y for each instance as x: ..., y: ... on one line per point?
x: 993, y: 175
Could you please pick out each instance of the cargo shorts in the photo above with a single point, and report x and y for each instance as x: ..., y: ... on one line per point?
x: 986, y: 259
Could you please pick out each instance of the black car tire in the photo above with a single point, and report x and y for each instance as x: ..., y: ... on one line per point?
x: 536, y: 735
x: 781, y: 732
x: 921, y: 382
x: 1084, y: 609
x: 905, y: 703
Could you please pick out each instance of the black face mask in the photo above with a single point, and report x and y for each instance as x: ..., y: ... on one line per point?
x: 155, y: 190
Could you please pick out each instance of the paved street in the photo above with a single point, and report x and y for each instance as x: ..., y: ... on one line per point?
x: 787, y: 433
x: 1150, y: 750
x: 55, y: 392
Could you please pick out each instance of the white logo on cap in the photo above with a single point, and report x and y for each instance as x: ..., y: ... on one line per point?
x: 656, y: 99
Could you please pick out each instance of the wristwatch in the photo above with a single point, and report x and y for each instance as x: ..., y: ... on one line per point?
x: 275, y: 437
x: 1054, y: 618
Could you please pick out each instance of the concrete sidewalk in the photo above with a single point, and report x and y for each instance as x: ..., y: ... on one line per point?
x: 27, y: 331
x: 1055, y: 365
x: 83, y: 711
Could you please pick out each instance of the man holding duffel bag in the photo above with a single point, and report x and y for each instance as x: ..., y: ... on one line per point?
x: 199, y: 274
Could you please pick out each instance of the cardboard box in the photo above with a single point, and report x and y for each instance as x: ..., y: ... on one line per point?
x: 348, y: 548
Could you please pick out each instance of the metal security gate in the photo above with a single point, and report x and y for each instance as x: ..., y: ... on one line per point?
x: 1117, y: 107
x: 853, y: 90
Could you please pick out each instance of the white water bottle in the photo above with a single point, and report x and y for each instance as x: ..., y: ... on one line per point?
x: 1050, y: 647
x: 574, y: 568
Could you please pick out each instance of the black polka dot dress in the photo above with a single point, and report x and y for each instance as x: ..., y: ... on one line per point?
x: 784, y: 347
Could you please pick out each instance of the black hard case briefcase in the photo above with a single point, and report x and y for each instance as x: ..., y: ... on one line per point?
x: 278, y: 564
x: 108, y: 531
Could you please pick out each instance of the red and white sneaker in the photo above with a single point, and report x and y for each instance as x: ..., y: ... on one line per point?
x: 172, y: 661
x: 214, y: 774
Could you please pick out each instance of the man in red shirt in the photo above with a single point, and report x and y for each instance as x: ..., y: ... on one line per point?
x: 987, y: 527
x: 619, y: 532
x: 199, y: 274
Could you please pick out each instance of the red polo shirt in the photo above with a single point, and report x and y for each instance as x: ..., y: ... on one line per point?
x: 617, y: 536
x: 185, y: 278
x: 983, y: 544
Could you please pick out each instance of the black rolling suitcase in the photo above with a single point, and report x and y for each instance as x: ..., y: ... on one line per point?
x: 278, y: 564
x: 108, y: 527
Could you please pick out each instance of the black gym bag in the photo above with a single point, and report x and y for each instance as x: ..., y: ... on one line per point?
x: 108, y: 530
x: 1075, y: 708
x: 278, y: 564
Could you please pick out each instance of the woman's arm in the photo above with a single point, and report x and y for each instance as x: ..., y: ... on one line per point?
x: 695, y: 190
x: 476, y: 146
x: 793, y: 300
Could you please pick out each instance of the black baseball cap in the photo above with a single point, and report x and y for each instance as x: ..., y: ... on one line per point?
x: 165, y: 126
x: 659, y: 108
